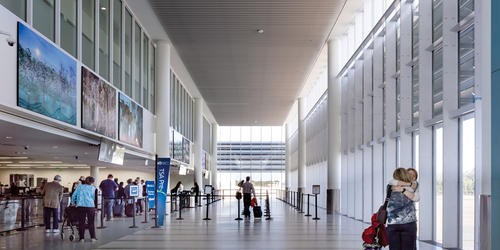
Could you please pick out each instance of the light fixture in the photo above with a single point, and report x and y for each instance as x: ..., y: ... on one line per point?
x: 8, y: 137
x: 41, y: 162
x: 103, y: 8
x: 13, y: 157
x: 55, y: 146
x: 68, y: 165
x: 6, y: 162
x: 14, y: 167
x: 24, y: 165
x: 260, y: 31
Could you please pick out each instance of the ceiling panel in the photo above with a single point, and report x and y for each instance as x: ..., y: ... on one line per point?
x: 245, y: 77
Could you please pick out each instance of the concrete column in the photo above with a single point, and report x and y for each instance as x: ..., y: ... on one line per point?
x: 213, y: 168
x: 163, y: 99
x: 334, y: 164
x: 198, y: 140
x: 301, y: 184
x: 94, y: 172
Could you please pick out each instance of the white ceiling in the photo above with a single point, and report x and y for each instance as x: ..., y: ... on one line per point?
x: 247, y: 78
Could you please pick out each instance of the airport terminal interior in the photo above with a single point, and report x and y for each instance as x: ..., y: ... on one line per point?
x: 233, y: 124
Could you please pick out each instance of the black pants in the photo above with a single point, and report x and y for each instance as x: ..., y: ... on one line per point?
x: 86, y: 215
x: 402, y: 236
x: 246, y: 204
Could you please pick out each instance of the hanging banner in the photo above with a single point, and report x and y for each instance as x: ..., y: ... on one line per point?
x: 162, y: 171
x: 150, y: 190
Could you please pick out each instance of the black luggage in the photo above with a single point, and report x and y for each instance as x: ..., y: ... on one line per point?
x: 129, y: 210
x: 118, y: 209
x: 257, y: 212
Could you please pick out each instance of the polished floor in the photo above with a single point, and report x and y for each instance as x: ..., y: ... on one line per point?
x: 288, y: 229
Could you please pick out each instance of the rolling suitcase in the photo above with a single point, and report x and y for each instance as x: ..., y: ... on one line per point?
x: 118, y: 209
x: 257, y: 211
x: 129, y: 210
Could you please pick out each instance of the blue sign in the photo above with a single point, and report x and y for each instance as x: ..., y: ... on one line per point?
x: 134, y: 190
x: 162, y: 171
x: 150, y: 189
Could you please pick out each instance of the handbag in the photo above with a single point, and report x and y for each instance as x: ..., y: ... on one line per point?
x: 238, y: 195
x: 382, y: 211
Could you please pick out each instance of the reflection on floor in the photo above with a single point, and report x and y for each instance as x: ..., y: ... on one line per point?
x: 287, y: 230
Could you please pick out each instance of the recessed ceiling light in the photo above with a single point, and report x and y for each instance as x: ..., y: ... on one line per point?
x: 103, y: 8
x: 55, y: 146
x: 41, y: 162
x: 8, y: 137
x: 13, y: 157
x: 260, y: 31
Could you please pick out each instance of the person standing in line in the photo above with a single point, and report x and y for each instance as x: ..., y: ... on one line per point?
x: 108, y: 188
x: 196, y: 191
x: 248, y: 190
x: 84, y: 199
x: 52, y: 194
x: 401, y: 214
x: 140, y: 197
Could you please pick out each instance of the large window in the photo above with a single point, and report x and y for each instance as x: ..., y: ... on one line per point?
x: 414, y: 69
x: 104, y: 38
x: 128, y: 53
x: 68, y: 26
x: 17, y: 7
x: 437, y: 20
x: 88, y: 33
x: 438, y: 185
x: 152, y: 74
x: 467, y: 164
x: 137, y: 62
x: 258, y: 152
x: 117, y: 43
x: 437, y: 82
x: 145, y: 78
x: 44, y: 17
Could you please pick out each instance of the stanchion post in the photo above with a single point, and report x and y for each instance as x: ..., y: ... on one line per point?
x: 239, y: 211
x: 208, y: 199
x: 308, y: 214
x: 301, y: 203
x: 133, y: 218
x: 316, y: 205
x: 102, y: 214
x: 181, y: 202
x: 146, y: 210
x: 23, y: 213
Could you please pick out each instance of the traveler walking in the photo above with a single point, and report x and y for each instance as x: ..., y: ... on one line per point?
x: 248, y: 190
x: 52, y: 194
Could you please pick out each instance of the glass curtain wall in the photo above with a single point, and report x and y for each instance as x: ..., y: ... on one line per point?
x: 104, y: 38
x: 258, y: 152
x: 414, y: 68
x: 68, y: 26
x: 181, y: 109
x: 468, y: 170
x: 44, y: 17
x: 437, y: 58
x: 18, y: 7
x: 117, y: 43
x: 145, y: 76
x: 88, y: 33
x: 438, y: 183
x: 137, y: 62
x: 128, y: 53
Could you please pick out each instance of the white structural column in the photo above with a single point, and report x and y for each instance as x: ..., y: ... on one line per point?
x: 378, y: 160
x: 451, y: 226
x: 287, y: 160
x: 198, y: 140
x: 367, y: 135
x: 390, y: 151
x: 163, y: 99
x: 334, y: 153
x: 301, y: 180
x: 483, y: 127
x: 94, y: 172
x: 426, y: 177
x: 358, y: 139
x: 406, y: 141
x: 213, y: 168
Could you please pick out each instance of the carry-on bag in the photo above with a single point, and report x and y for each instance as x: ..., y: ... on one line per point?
x: 257, y: 211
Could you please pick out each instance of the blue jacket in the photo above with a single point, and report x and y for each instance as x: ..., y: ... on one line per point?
x: 84, y: 196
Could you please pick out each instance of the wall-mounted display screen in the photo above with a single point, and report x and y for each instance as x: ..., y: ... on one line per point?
x: 46, y: 77
x: 130, y: 122
x: 98, y: 105
x: 111, y: 152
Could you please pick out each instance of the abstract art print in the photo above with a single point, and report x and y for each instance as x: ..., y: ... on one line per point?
x: 130, y: 122
x: 98, y: 105
x: 46, y: 77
